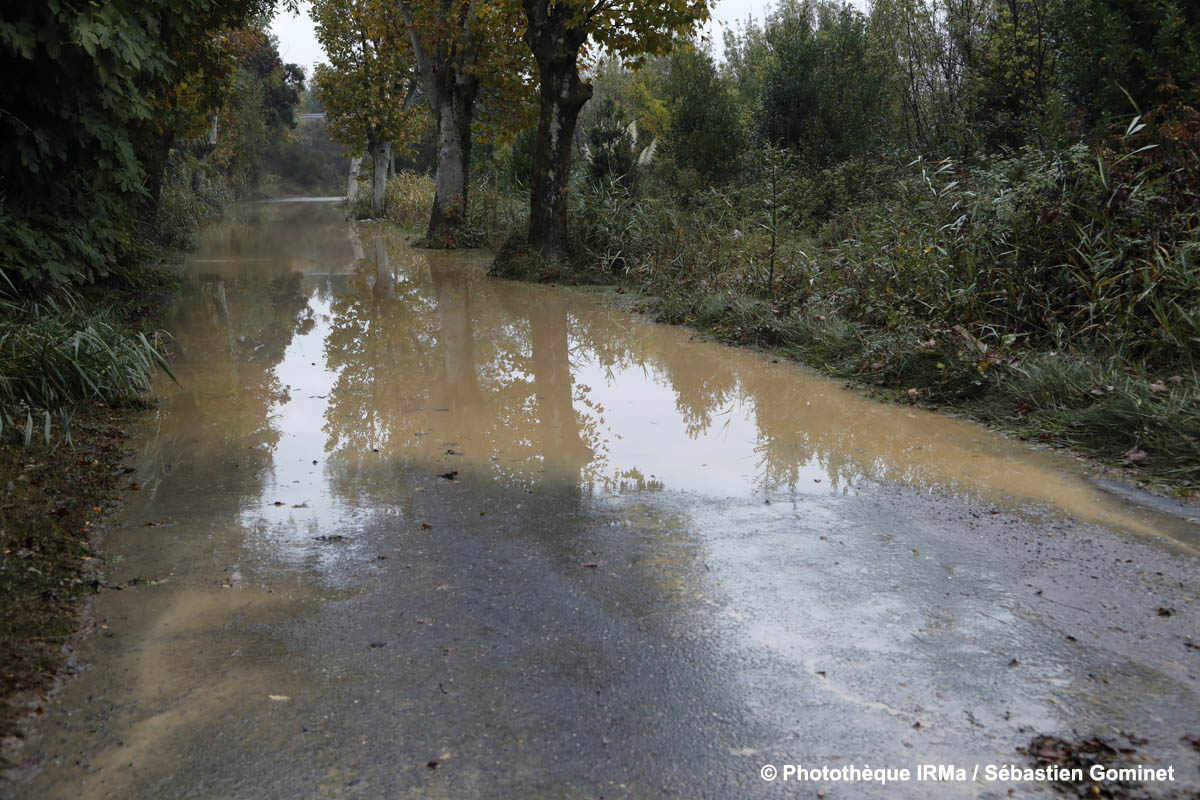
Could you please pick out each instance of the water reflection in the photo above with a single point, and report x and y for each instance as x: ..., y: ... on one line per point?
x: 409, y: 359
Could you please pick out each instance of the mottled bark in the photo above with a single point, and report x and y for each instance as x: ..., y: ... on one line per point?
x: 445, y: 67
x: 381, y: 153
x: 563, y: 93
x: 448, y: 217
x: 352, y: 183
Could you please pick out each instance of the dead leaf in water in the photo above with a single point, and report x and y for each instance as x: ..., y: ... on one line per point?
x: 279, y: 698
x: 449, y: 475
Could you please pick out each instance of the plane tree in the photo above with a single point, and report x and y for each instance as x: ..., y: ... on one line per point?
x: 463, y: 50
x: 561, y: 34
x: 369, y: 86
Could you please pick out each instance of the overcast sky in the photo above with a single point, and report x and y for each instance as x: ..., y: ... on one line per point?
x: 298, y: 43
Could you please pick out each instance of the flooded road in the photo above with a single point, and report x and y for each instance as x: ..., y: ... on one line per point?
x: 405, y: 531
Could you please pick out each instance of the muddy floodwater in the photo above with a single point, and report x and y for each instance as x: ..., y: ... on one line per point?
x: 403, y: 530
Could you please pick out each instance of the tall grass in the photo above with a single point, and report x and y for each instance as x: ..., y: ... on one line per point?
x: 57, y: 353
x: 408, y: 201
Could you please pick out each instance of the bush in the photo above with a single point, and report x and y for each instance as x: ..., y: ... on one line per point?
x: 58, y: 353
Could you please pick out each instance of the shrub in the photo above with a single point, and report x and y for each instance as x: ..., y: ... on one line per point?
x: 57, y: 353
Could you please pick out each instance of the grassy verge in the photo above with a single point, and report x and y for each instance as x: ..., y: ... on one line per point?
x: 74, y: 367
x: 50, y: 499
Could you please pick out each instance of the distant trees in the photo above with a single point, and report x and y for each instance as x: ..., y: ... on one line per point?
x: 258, y: 111
x: 704, y: 132
x: 369, y: 87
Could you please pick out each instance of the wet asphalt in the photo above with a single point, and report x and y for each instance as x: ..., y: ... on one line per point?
x: 533, y: 632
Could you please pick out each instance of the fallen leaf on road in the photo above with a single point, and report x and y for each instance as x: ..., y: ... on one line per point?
x: 279, y: 698
x: 590, y: 564
x: 425, y: 526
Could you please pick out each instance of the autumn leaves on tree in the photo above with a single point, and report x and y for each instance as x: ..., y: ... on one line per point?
x: 464, y: 54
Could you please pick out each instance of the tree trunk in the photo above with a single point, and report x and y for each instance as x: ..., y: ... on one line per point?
x: 156, y: 171
x: 555, y: 46
x: 560, y: 437
x: 381, y: 153
x: 385, y: 282
x: 352, y: 184
x: 456, y: 104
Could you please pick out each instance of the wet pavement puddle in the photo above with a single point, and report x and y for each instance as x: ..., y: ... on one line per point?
x: 421, y: 511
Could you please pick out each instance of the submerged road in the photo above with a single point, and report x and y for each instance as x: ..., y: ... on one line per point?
x: 403, y: 531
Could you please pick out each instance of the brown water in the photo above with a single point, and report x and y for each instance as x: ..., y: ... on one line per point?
x: 319, y: 357
x: 604, y: 602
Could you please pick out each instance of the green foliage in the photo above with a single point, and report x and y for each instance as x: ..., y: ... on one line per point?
x: 1012, y: 71
x: 57, y: 353
x: 307, y: 162
x: 88, y: 92
x: 1114, y: 52
x: 704, y: 130
x: 611, y: 160
x: 520, y: 159
x: 823, y: 88
x: 366, y: 85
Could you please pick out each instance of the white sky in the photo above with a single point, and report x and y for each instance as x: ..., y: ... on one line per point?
x: 298, y: 43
